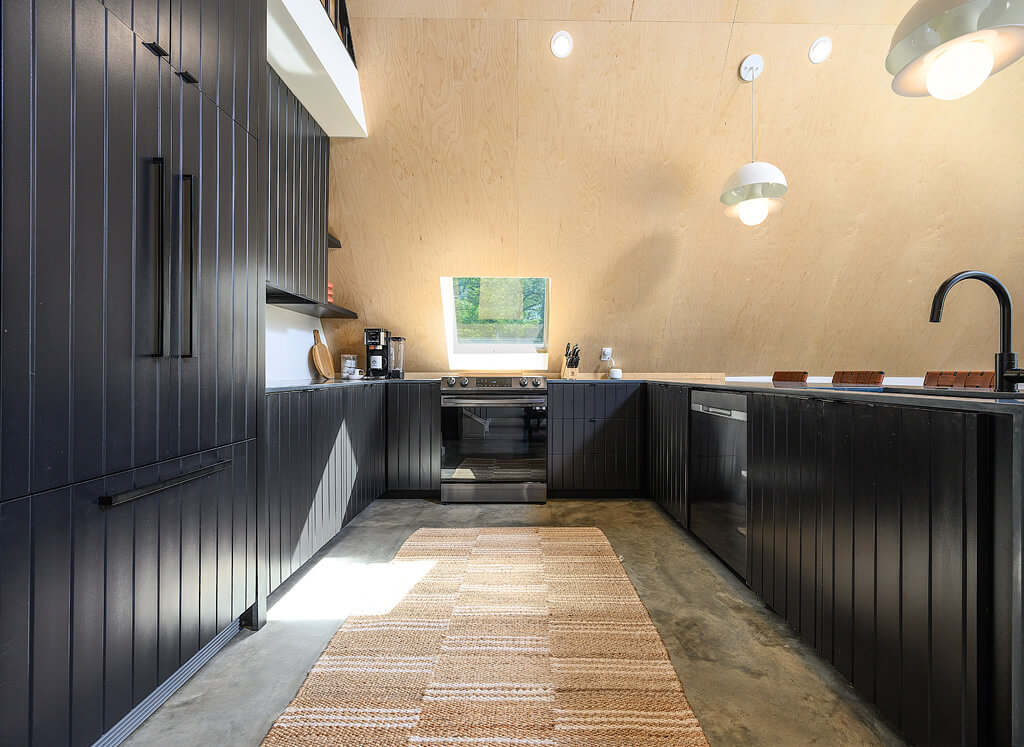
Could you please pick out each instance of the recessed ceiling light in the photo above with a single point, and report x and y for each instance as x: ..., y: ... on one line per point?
x: 820, y: 50
x: 561, y: 44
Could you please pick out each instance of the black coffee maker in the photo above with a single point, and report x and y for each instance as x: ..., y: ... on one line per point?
x: 378, y: 343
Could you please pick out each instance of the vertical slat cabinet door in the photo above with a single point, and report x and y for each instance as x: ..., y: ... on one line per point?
x: 255, y: 246
x: 272, y: 476
x: 16, y: 259
x: 187, y: 176
x: 887, y: 568
x: 51, y: 610
x: 207, y: 308
x: 779, y: 505
x: 755, y: 525
x: 947, y: 446
x: 224, y: 274
x: 810, y: 456
x: 172, y: 604
x: 148, y: 359
x: 16, y: 620
x: 916, y: 468
x: 145, y: 582
x: 87, y: 299
x: 826, y: 533
x: 240, y: 274
x: 86, y: 623
x: 843, y: 547
x: 794, y: 513
x: 191, y: 562
x: 51, y: 248
x: 864, y: 458
x: 434, y: 406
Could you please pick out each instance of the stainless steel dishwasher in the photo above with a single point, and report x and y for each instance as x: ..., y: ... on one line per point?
x: 718, y: 475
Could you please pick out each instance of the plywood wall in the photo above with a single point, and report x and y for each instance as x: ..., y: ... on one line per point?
x: 489, y: 156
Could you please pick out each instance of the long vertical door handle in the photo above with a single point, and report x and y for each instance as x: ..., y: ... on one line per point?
x: 190, y: 203
x: 162, y: 317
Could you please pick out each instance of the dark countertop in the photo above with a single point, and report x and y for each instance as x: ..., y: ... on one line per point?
x: 981, y: 401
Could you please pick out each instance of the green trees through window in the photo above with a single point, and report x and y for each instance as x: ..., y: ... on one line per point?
x: 501, y: 311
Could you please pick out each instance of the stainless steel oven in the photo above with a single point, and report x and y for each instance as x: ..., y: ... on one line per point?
x: 494, y: 439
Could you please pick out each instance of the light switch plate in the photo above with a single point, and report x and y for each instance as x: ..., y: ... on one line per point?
x: 606, y: 354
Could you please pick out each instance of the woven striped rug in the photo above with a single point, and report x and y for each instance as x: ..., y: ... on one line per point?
x: 516, y: 636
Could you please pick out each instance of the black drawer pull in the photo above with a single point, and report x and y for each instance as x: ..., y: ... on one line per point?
x: 155, y: 49
x: 109, y: 501
x: 188, y: 77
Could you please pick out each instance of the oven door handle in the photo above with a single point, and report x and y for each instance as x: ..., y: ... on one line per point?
x: 494, y: 401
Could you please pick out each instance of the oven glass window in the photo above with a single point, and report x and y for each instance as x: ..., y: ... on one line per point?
x: 494, y: 444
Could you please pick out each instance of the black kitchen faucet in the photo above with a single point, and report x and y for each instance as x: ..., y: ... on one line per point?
x: 1007, y: 373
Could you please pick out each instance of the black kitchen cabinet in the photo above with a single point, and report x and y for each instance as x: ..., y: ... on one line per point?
x: 668, y: 433
x: 866, y: 528
x: 325, y: 464
x: 101, y: 605
x: 596, y: 438
x: 299, y: 156
x: 163, y: 188
x: 413, y: 438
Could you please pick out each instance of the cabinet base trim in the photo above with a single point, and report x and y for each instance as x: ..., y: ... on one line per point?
x: 137, y: 715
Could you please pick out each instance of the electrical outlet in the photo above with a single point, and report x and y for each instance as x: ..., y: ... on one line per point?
x: 606, y: 354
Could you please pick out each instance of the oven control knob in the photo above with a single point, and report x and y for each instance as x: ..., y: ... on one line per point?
x: 536, y: 382
x: 522, y: 381
x: 450, y: 381
x: 464, y: 381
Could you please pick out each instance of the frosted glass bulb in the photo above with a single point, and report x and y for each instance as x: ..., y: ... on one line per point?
x: 753, y: 212
x: 960, y: 70
x: 561, y: 44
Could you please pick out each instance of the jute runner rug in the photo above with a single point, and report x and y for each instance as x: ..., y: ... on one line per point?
x: 515, y: 636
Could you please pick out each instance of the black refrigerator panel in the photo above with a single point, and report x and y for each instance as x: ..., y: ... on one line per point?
x: 718, y: 475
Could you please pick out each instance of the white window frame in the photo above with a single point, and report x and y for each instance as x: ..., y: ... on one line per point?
x: 499, y: 357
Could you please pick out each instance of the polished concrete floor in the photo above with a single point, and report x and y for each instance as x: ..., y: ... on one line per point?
x: 749, y: 679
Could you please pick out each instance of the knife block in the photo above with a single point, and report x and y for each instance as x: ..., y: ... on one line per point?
x: 568, y: 373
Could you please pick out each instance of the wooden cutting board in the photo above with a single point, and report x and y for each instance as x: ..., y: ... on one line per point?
x: 322, y: 357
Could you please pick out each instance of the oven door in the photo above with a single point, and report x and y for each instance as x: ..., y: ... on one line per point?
x: 494, y: 447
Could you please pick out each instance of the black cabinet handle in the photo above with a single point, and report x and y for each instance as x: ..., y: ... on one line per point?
x: 109, y: 501
x: 186, y: 76
x: 191, y: 285
x: 162, y: 317
x: 155, y: 49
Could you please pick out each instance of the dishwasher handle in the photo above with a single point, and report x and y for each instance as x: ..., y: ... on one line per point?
x: 719, y: 412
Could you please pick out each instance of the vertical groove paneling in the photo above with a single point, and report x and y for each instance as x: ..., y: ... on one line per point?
x: 324, y: 466
x: 297, y: 200
x: 414, y: 423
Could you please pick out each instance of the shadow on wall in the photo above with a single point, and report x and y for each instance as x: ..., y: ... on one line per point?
x: 325, y: 464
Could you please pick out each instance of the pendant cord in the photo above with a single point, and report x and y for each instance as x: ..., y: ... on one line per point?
x: 753, y: 122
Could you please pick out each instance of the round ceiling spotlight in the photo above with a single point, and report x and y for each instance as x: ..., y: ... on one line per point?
x: 820, y: 50
x: 948, y: 48
x: 561, y: 44
x: 755, y: 190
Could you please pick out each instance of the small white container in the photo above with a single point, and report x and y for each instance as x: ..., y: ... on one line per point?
x: 614, y: 373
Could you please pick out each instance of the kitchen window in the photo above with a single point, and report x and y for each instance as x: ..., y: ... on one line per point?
x: 494, y: 324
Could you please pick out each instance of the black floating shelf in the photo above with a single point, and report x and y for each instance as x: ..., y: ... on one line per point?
x: 332, y: 241
x: 307, y: 306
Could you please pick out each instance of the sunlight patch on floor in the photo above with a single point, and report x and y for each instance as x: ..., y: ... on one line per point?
x: 338, y: 587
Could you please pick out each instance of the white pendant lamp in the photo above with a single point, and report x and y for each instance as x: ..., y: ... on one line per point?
x: 948, y: 48
x: 755, y: 189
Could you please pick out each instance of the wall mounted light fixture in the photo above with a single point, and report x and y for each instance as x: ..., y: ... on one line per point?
x: 755, y: 189
x: 948, y: 48
x: 561, y: 44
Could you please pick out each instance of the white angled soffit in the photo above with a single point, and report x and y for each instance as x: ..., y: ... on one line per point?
x: 306, y: 51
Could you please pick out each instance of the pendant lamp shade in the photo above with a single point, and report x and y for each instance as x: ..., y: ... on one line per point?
x: 754, y: 191
x: 948, y: 48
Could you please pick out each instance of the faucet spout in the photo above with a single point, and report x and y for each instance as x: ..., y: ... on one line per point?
x: 1007, y: 373
x: 1002, y: 295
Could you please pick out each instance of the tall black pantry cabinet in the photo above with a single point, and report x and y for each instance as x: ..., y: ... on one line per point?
x: 129, y: 359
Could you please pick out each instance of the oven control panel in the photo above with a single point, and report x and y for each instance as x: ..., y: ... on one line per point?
x: 495, y: 383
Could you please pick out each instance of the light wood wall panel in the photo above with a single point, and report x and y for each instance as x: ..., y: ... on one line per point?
x: 489, y: 156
